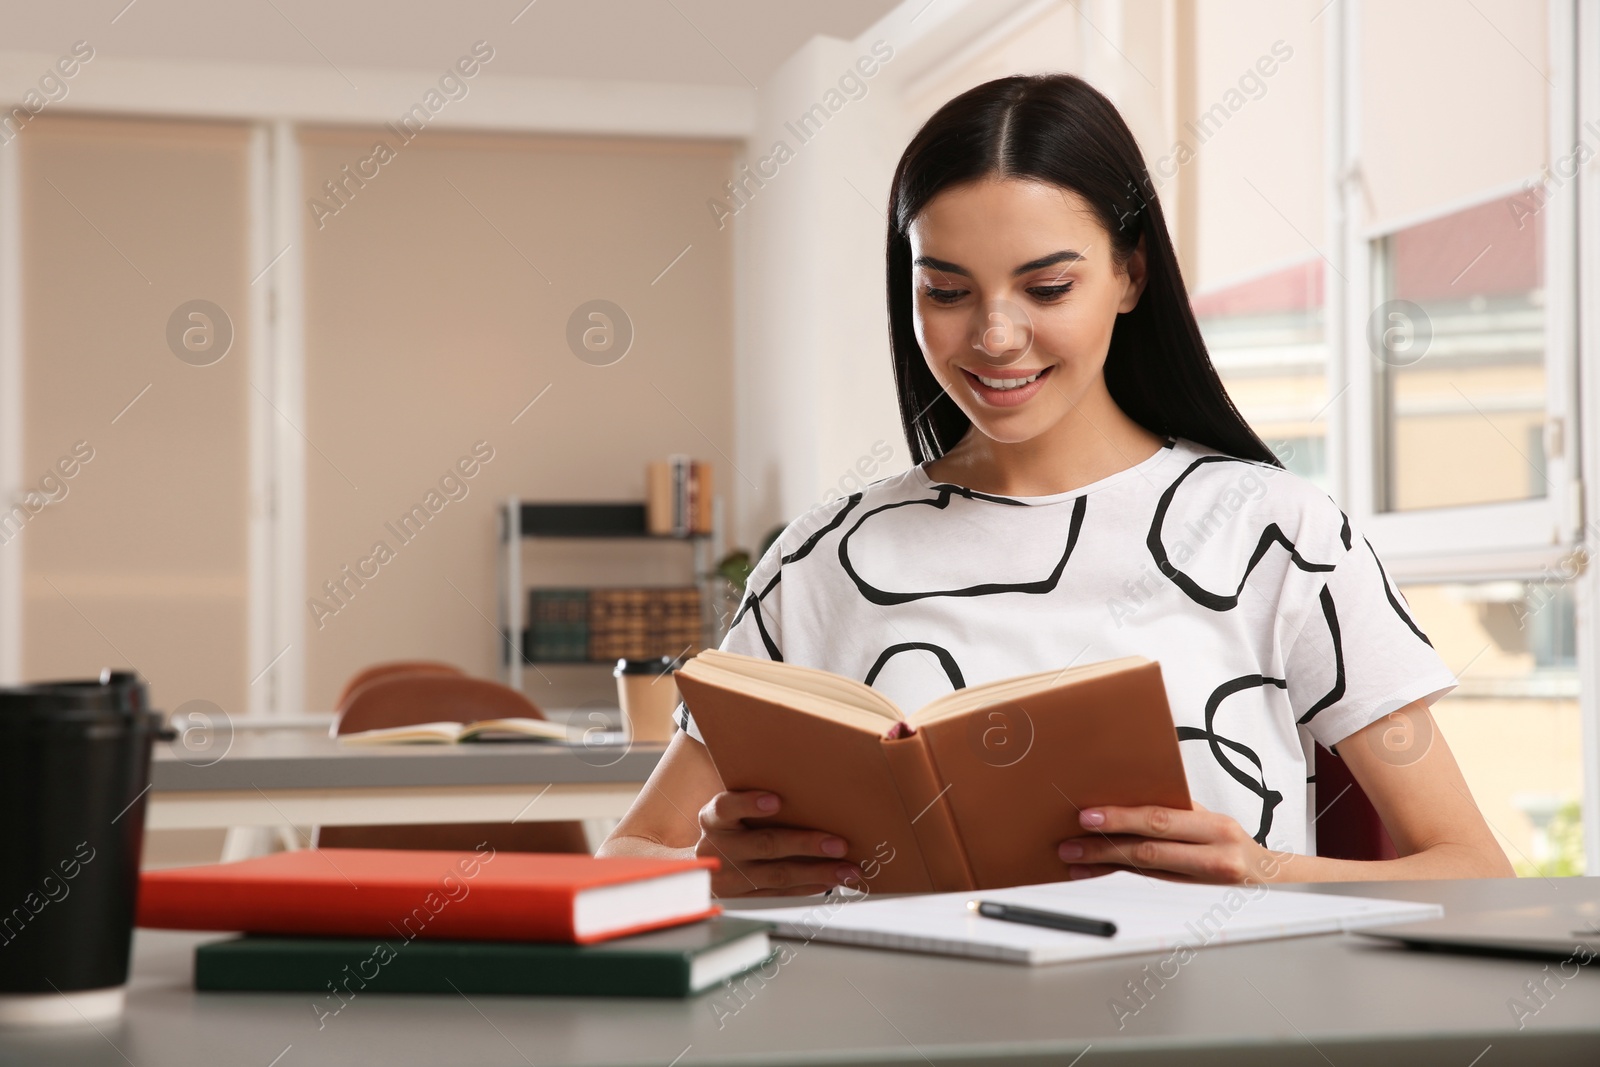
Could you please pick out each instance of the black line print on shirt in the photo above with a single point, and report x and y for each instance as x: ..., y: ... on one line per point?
x: 1388, y: 591
x: 952, y: 670
x: 1332, y: 696
x: 752, y: 601
x: 946, y: 493
x: 1257, y: 782
x: 832, y: 524
x: 1270, y: 536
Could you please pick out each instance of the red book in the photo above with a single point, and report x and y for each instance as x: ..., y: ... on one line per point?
x: 468, y: 896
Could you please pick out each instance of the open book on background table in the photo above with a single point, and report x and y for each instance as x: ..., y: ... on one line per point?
x: 1151, y: 915
x: 445, y: 733
x: 976, y: 789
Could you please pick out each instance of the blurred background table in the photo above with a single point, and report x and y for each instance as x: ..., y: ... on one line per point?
x: 295, y: 778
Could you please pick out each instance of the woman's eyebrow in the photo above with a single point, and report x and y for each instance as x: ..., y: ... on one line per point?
x: 1066, y: 255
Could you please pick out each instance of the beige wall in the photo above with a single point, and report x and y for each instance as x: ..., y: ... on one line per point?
x: 1259, y: 166
x: 436, y: 308
x: 143, y: 562
x: 1047, y: 44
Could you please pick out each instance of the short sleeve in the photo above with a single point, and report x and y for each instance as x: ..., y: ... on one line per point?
x: 754, y: 630
x: 1358, y: 653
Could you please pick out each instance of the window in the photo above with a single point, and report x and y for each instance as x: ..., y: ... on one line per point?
x: 1459, y: 337
x: 1460, y: 284
x: 1513, y: 722
x: 130, y: 423
x: 1266, y: 339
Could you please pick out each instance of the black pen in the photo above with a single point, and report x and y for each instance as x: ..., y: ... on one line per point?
x: 1055, y: 920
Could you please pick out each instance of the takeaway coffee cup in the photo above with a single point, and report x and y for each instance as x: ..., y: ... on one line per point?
x: 74, y: 767
x: 648, y: 696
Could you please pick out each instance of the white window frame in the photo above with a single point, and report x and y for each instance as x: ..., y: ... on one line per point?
x: 1586, y: 38
x: 1522, y: 539
x: 1511, y: 539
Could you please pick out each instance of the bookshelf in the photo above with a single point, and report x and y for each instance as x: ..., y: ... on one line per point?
x: 524, y: 524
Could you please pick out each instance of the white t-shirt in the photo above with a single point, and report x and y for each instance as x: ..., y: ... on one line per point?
x: 1273, y: 621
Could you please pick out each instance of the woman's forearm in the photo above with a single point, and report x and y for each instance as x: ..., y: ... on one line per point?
x: 1445, y: 860
x: 638, y: 845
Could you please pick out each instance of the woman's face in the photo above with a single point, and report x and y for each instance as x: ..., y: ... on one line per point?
x: 1015, y: 296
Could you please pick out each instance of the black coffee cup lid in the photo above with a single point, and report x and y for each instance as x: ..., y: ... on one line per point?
x: 113, y: 694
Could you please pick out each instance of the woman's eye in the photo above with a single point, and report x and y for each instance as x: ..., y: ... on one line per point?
x: 943, y: 296
x: 1049, y: 292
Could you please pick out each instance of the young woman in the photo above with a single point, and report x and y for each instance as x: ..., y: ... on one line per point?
x: 1085, y: 489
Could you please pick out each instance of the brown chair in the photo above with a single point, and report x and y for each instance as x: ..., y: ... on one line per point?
x: 402, y: 698
x: 1348, y: 826
x: 385, y: 670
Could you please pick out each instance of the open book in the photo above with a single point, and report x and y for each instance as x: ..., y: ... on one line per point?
x: 973, y: 791
x: 445, y: 733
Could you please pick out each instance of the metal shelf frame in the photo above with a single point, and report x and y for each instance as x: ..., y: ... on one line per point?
x: 620, y: 521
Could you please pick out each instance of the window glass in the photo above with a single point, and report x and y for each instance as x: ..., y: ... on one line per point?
x: 1266, y: 339
x: 1454, y: 205
x: 1459, y: 338
x: 1513, y: 722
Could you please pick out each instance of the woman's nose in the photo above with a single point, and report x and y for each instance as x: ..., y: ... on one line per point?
x: 1001, y: 333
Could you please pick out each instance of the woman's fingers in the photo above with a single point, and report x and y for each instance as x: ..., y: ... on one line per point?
x: 771, y: 860
x: 726, y: 811
x: 1204, y: 862
x: 1150, y: 821
x: 722, y: 819
x: 776, y: 843
x: 793, y: 877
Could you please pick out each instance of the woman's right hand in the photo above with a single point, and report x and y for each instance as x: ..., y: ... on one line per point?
x: 768, y: 861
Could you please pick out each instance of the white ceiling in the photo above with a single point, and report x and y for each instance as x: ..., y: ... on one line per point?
x: 735, y: 43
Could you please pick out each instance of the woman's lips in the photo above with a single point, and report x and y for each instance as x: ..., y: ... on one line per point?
x: 1007, y: 398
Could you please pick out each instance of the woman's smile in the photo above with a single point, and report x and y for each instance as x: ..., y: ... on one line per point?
x: 1007, y: 390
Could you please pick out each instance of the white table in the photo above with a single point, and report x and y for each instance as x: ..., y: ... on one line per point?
x: 1303, y: 1002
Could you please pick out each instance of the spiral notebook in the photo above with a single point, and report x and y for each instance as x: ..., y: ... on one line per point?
x: 1151, y: 915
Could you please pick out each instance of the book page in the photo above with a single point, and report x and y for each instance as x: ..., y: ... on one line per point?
x: 519, y: 729
x: 422, y: 733
x: 806, y: 689
x: 1009, y: 689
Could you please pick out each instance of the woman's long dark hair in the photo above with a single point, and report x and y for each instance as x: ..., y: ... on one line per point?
x: 1056, y: 128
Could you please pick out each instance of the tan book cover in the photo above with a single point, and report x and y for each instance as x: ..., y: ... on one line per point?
x: 658, y: 498
x: 973, y: 791
x: 701, y: 520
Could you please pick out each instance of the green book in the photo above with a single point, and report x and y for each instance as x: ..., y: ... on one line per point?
x: 677, y: 962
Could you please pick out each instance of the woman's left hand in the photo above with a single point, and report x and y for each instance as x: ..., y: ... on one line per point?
x: 1184, y: 846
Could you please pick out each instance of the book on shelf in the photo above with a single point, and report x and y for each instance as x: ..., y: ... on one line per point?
x: 676, y: 962
x: 558, y: 625
x: 975, y: 790
x: 470, y: 896
x: 449, y: 733
x: 605, y: 625
x: 678, y: 497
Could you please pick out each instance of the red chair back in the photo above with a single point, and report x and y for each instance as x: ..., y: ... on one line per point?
x: 1348, y: 826
x: 385, y: 670
x: 398, y: 697
x: 407, y: 699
